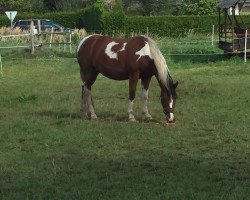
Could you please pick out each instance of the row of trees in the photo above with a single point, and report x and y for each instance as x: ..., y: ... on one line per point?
x: 43, y: 5
x: 141, y: 7
x: 172, y: 7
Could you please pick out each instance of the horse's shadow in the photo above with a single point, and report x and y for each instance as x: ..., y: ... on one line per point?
x: 78, y: 115
x: 59, y: 115
x: 201, y: 58
x: 101, y: 117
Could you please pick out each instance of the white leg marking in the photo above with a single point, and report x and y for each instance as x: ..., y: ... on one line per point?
x: 145, y: 51
x: 171, y: 103
x: 145, y: 113
x: 131, y: 117
x: 87, y: 106
x: 171, y: 118
x: 111, y: 54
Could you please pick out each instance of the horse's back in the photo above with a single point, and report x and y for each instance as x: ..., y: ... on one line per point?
x: 115, y: 58
x: 102, y: 44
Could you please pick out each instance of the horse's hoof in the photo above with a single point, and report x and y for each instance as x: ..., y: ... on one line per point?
x: 167, y: 123
x: 132, y: 120
x: 147, y: 118
x: 93, y: 117
x: 85, y: 116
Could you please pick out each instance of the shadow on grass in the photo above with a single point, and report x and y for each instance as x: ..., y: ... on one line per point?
x: 202, y: 58
x: 9, y: 54
x: 103, y: 116
x: 59, y: 115
x: 140, y: 173
x: 64, y: 115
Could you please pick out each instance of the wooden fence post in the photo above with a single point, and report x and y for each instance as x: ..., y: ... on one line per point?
x: 213, y: 35
x: 70, y: 42
x: 32, y: 43
x: 1, y: 66
x: 51, y: 37
x: 39, y: 31
x: 245, y: 51
x: 65, y: 39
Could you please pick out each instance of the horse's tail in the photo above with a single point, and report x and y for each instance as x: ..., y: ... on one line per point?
x: 160, y: 62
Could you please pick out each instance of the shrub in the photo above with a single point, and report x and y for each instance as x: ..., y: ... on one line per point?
x: 97, y: 18
x: 169, y: 25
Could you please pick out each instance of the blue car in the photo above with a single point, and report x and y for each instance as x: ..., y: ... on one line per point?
x: 45, y: 25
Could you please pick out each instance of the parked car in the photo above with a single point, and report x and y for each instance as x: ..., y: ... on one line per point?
x: 45, y: 25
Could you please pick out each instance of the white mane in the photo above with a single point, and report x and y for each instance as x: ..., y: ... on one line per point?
x: 159, y: 61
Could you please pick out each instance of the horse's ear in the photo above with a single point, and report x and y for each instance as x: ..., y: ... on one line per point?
x: 176, y: 84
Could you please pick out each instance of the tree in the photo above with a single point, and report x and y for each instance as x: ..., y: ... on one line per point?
x: 152, y: 7
x: 155, y: 7
x: 196, y: 7
x: 64, y: 5
x: 43, y: 5
x: 18, y: 5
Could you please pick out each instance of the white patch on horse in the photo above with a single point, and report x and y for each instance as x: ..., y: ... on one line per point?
x: 144, y: 100
x: 171, y: 118
x: 82, y: 41
x: 123, y: 47
x: 145, y: 113
x: 171, y: 103
x: 131, y: 117
x: 111, y: 54
x: 145, y: 51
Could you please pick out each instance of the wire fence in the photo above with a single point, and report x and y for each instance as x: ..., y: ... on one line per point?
x: 34, y: 40
x: 193, y: 44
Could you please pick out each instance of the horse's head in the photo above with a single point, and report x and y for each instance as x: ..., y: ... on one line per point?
x: 168, y: 98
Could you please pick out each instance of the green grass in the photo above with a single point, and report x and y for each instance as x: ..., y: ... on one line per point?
x: 48, y: 152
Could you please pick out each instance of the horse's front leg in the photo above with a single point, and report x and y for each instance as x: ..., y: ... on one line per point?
x: 133, y: 79
x: 145, y: 85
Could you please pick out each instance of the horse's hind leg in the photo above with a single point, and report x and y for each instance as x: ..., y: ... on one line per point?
x: 87, y: 106
x: 133, y: 79
x: 145, y: 85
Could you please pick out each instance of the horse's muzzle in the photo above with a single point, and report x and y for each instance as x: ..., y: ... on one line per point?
x: 170, y: 117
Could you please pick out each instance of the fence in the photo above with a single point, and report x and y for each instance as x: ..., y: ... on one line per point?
x: 35, y: 39
x: 191, y: 45
x: 1, y: 66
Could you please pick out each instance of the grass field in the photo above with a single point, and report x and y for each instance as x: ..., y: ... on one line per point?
x: 48, y: 152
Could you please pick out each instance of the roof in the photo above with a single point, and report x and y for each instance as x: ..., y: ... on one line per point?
x: 228, y: 3
x: 247, y: 3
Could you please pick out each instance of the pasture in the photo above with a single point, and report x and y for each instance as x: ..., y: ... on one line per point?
x: 48, y: 152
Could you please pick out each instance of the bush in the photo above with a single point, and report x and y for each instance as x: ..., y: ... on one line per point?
x: 169, y: 25
x: 91, y: 17
x: 96, y: 18
x: 197, y: 7
x: 4, y: 21
x: 114, y: 19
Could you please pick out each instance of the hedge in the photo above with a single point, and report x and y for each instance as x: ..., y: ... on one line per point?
x: 112, y: 22
x: 172, y: 26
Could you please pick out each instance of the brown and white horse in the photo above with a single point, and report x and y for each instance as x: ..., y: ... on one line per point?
x: 125, y: 59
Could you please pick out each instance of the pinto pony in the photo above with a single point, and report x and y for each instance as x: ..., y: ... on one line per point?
x: 125, y: 59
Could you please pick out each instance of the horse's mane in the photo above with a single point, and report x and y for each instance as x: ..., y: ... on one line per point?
x: 160, y: 63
